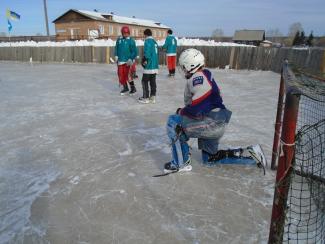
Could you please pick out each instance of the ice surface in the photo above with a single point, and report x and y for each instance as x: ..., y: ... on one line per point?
x: 77, y: 159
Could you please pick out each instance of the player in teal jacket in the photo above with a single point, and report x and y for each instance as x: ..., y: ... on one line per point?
x: 150, y: 65
x: 170, y: 46
x: 125, y: 54
x: 150, y: 52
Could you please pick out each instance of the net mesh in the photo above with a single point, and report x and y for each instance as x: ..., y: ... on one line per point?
x: 305, y: 207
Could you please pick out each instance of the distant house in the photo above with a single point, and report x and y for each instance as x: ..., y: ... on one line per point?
x: 81, y: 24
x: 266, y: 43
x: 249, y: 37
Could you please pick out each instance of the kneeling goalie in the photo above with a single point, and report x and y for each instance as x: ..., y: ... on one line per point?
x: 204, y: 117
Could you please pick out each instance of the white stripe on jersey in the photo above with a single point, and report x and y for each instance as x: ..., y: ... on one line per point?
x: 198, y: 88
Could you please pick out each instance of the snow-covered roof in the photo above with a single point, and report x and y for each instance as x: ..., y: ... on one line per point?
x: 118, y: 19
x: 136, y: 21
x: 91, y: 14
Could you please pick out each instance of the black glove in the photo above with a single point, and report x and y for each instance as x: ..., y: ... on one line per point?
x: 144, y: 62
x: 178, y: 129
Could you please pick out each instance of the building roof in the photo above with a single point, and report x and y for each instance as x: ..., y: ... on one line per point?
x: 249, y: 35
x: 115, y: 18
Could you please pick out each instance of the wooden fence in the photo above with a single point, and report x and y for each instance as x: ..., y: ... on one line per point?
x: 252, y: 58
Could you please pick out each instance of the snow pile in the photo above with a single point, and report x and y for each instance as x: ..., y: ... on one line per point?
x: 111, y: 43
x: 199, y: 42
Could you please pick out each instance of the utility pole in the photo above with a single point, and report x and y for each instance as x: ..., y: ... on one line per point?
x: 46, y: 20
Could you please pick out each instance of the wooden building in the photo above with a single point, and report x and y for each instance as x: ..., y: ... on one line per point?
x: 249, y: 37
x: 81, y: 24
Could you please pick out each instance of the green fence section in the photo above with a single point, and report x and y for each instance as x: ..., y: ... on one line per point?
x: 252, y: 58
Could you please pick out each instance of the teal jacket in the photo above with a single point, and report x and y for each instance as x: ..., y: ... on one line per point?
x: 170, y: 45
x: 150, y: 52
x: 125, y: 49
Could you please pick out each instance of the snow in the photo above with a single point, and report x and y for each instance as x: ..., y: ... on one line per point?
x: 123, y: 19
x: 135, y: 21
x: 93, y: 14
x: 77, y: 160
x: 111, y: 43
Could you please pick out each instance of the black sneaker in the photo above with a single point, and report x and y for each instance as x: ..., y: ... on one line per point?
x: 133, y: 90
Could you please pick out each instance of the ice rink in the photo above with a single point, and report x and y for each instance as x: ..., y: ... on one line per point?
x: 77, y: 159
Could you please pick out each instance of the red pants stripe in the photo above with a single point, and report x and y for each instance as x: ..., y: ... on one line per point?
x: 171, y: 62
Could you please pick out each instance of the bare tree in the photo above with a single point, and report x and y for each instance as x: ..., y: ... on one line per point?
x: 294, y: 28
x: 217, y: 33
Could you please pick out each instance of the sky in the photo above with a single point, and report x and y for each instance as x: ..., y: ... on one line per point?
x: 187, y: 18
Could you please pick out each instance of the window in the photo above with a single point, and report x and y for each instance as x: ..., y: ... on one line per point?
x: 92, y: 33
x: 60, y: 31
x: 75, y: 33
x: 110, y: 30
x: 101, y: 29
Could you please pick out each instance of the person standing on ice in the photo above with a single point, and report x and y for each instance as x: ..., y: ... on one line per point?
x: 150, y: 65
x: 125, y: 54
x: 170, y: 46
x: 204, y: 117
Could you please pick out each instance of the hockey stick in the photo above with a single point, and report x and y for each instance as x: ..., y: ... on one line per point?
x: 164, y: 174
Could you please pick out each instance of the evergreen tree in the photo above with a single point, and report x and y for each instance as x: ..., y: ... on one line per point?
x: 310, y: 39
x: 295, y: 41
x: 302, y: 39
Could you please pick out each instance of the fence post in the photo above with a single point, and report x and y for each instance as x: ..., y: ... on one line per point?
x: 232, y: 55
x: 108, y: 55
x: 284, y: 168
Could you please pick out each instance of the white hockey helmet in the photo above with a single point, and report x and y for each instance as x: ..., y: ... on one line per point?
x: 191, y: 60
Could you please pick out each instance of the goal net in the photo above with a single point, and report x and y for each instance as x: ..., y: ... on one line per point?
x: 298, y: 214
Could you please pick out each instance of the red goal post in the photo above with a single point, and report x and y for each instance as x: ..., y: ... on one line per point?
x: 298, y: 212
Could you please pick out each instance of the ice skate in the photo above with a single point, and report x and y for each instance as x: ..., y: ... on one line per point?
x: 124, y: 90
x: 257, y: 154
x: 133, y: 89
x: 170, y: 167
x: 229, y: 156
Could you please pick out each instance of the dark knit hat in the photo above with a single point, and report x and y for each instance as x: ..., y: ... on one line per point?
x: 147, y: 32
